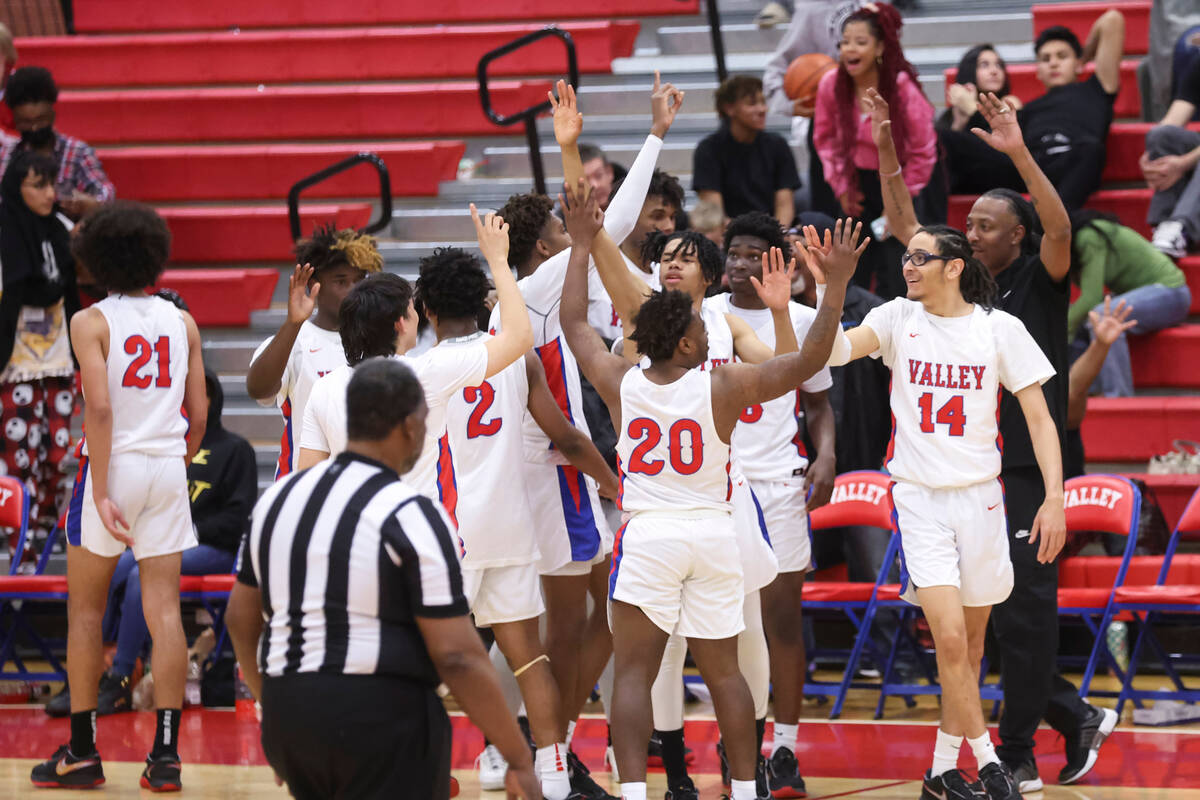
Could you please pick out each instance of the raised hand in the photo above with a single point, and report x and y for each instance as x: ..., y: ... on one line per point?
x: 581, y: 214
x: 492, y: 233
x: 775, y: 288
x: 1110, y: 323
x: 568, y: 122
x: 881, y: 124
x: 1005, y: 135
x: 836, y: 257
x: 301, y: 300
x: 665, y: 101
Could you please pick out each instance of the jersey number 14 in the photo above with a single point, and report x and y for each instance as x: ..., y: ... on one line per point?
x: 141, y: 350
x: 949, y: 414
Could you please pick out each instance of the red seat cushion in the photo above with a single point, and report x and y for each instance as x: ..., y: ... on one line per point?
x: 1083, y: 598
x: 829, y: 592
x: 219, y: 583
x: 33, y: 584
x: 889, y: 591
x: 191, y: 583
x: 1172, y: 595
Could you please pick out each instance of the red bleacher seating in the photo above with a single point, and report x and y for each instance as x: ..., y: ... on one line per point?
x: 1191, y: 270
x: 1167, y: 358
x: 230, y: 234
x: 111, y: 16
x: 1079, y: 17
x: 1172, y: 492
x: 1026, y: 86
x: 1130, y: 206
x: 1126, y: 142
x: 291, y: 112
x: 222, y: 296
x: 263, y: 172
x: 1136, y: 428
x: 368, y: 54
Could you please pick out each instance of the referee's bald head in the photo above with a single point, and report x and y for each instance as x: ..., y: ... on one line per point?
x: 383, y: 394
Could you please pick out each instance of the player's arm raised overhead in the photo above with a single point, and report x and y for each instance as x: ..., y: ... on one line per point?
x: 515, y: 336
x: 897, y: 202
x: 567, y: 439
x: 776, y: 295
x: 1006, y: 137
x: 602, y: 369
x: 736, y: 386
x: 195, y: 395
x: 265, y: 375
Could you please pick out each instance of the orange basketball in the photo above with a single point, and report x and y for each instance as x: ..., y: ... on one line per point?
x: 803, y: 74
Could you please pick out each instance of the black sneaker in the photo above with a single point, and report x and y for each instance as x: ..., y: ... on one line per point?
x: 1083, y: 748
x: 724, y: 763
x: 950, y: 785
x: 65, y: 771
x: 998, y: 782
x: 582, y: 785
x: 683, y: 791
x: 162, y: 774
x: 1027, y: 777
x: 116, y: 695
x: 762, y: 784
x: 60, y: 704
x: 784, y: 775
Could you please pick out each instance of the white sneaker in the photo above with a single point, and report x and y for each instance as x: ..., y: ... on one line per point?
x: 1169, y: 238
x: 610, y: 758
x: 492, y: 769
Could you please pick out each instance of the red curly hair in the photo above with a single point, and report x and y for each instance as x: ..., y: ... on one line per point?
x: 885, y: 25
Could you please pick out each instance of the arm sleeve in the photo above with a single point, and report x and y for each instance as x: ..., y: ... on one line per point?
x: 825, y: 122
x: 626, y: 206
x: 1093, y: 257
x: 706, y: 166
x: 418, y: 540
x: 922, y: 140
x: 1020, y: 361
x: 882, y: 320
x: 802, y: 319
x: 312, y: 432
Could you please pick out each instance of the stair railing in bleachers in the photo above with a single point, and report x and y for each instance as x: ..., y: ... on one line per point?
x: 718, y: 41
x: 529, y: 115
x: 385, y: 191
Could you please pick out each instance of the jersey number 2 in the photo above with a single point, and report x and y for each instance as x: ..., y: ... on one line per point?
x: 140, y: 349
x: 648, y: 431
x: 950, y: 414
x: 484, y: 394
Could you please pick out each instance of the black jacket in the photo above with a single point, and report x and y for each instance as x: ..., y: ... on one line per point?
x: 222, y: 478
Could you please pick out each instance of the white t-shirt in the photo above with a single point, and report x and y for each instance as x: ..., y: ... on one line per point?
x: 767, y: 436
x: 946, y: 377
x: 316, y: 352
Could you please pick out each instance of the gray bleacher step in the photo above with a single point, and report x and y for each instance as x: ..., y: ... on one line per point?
x: 230, y: 356
x: 252, y: 422
x: 513, y: 162
x: 634, y: 97
x: 697, y: 123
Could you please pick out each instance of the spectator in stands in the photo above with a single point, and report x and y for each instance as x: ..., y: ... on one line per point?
x: 972, y: 167
x: 709, y: 219
x: 1067, y: 127
x: 1169, y: 165
x: 742, y: 167
x: 8, y: 54
x: 601, y: 173
x: 1108, y: 322
x: 1170, y: 20
x: 871, y: 58
x: 223, y: 485
x: 81, y: 183
x: 37, y: 384
x: 1107, y: 256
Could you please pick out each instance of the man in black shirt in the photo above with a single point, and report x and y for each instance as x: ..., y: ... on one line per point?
x: 1067, y: 127
x: 741, y: 167
x: 1031, y: 275
x: 1169, y: 164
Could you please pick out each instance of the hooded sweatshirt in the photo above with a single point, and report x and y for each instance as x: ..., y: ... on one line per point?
x: 222, y: 478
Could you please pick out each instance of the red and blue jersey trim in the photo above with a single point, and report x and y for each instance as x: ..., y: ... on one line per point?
x: 75, y: 507
x: 618, y: 552
x: 284, y: 465
x: 447, y: 483
x: 578, y: 514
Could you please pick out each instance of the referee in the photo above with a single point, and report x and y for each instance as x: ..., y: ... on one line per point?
x: 357, y: 579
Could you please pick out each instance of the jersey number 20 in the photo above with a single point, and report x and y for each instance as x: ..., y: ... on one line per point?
x: 484, y: 394
x: 651, y: 434
x: 140, y: 349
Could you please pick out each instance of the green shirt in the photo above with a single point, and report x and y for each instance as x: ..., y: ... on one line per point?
x: 1131, y: 263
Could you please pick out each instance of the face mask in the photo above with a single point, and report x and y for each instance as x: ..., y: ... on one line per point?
x: 38, y: 138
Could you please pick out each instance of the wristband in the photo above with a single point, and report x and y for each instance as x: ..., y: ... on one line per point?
x: 893, y: 174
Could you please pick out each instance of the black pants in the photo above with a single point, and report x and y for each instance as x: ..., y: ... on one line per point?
x: 356, y: 737
x: 1026, y: 629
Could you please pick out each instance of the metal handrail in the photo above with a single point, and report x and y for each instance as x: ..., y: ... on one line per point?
x: 718, y: 41
x: 385, y: 191
x: 529, y: 115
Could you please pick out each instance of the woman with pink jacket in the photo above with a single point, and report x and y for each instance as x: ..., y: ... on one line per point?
x: 870, y: 57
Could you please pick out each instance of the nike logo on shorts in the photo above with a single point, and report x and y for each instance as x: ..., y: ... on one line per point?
x: 913, y: 335
x: 993, y: 507
x: 1021, y: 535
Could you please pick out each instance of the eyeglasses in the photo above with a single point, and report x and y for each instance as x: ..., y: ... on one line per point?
x: 920, y: 257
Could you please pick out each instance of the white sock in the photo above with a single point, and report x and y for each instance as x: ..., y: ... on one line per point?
x: 550, y: 763
x: 633, y: 791
x: 945, y: 753
x: 743, y: 790
x: 570, y: 732
x: 784, y: 736
x: 984, y: 750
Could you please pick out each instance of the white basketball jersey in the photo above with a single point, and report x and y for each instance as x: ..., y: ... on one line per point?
x: 946, y: 377
x: 480, y: 481
x: 316, y: 352
x: 720, y: 337
x: 767, y: 437
x: 602, y: 315
x: 147, y: 374
x: 668, y: 451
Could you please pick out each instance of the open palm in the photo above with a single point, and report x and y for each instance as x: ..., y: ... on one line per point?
x: 568, y: 122
x: 1005, y: 134
x: 775, y: 288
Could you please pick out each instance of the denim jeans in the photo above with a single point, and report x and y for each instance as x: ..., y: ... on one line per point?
x: 124, y: 614
x: 1155, y: 307
x: 1180, y: 201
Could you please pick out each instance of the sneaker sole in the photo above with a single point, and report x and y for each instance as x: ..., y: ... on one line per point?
x: 1106, y: 727
x: 787, y: 791
x: 166, y: 787
x: 491, y: 785
x: 1036, y: 785
x: 58, y: 785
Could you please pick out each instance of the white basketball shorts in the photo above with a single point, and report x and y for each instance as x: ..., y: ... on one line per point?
x: 955, y: 537
x: 503, y: 594
x: 755, y: 538
x: 784, y: 511
x: 572, y: 532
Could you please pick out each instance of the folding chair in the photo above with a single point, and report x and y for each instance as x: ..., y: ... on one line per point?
x: 1106, y: 504
x: 17, y: 592
x: 1176, y: 591
x: 859, y: 498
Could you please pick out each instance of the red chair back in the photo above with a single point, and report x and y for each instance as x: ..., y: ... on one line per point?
x: 859, y: 498
x: 14, y: 513
x: 1189, y: 521
x: 1105, y: 503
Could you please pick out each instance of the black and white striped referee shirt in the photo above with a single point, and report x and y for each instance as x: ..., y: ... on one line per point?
x: 347, y: 557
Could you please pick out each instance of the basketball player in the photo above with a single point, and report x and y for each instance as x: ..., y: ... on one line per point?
x: 482, y: 444
x: 285, y: 367
x: 140, y: 362
x: 950, y: 352
x: 671, y: 570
